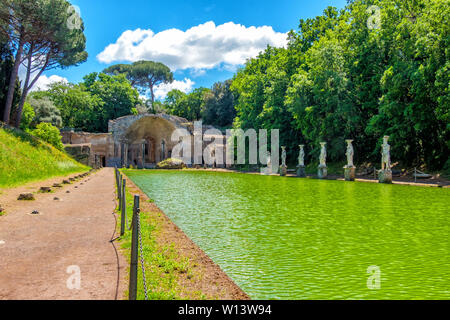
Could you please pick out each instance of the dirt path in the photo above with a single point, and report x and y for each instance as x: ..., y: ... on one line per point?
x: 37, y: 250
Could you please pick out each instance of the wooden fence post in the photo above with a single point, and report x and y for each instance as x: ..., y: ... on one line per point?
x: 134, y: 251
x: 120, y: 191
x: 117, y: 182
x: 124, y: 207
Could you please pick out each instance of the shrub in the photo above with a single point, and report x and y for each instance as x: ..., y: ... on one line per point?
x: 28, y: 116
x: 48, y: 133
x: 171, y: 164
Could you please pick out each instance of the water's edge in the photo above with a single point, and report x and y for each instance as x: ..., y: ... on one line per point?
x: 209, y: 266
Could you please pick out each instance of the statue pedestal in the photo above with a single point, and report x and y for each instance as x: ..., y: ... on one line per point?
x: 266, y: 171
x: 283, y: 171
x: 350, y: 173
x: 385, y: 176
x: 323, y: 172
x: 301, y: 171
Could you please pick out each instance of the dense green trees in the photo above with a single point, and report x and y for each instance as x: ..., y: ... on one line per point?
x: 184, y: 105
x: 42, y: 38
x: 90, y: 104
x: 214, y: 107
x: 218, y: 108
x: 118, y: 98
x: 42, y: 110
x: 340, y: 79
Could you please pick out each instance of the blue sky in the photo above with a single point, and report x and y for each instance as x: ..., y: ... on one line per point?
x: 219, y: 39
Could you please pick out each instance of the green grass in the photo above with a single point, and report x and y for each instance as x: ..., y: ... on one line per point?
x: 164, y: 267
x: 24, y: 158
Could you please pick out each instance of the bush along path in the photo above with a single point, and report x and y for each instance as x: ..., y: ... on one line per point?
x: 58, y: 245
x: 175, y: 267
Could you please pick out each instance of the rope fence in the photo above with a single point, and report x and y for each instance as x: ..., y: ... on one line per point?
x: 137, y: 251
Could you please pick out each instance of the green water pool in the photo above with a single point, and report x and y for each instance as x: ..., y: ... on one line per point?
x: 289, y: 238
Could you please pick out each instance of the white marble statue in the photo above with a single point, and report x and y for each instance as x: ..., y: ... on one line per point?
x: 283, y: 157
x: 301, y: 156
x: 350, y: 153
x: 386, y: 154
x: 269, y: 163
x: 323, y: 154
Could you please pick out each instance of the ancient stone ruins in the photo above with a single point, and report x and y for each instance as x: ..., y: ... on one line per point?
x: 140, y: 141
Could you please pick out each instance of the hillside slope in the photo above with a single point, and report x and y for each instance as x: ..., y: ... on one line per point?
x: 24, y: 158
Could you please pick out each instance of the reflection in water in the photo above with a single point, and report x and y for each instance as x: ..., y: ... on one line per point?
x: 285, y: 238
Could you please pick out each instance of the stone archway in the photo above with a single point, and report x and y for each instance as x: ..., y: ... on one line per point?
x: 145, y: 140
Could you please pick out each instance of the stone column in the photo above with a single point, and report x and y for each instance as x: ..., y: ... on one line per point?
x: 163, y: 150
x: 122, y: 162
x: 126, y: 156
x: 143, y: 154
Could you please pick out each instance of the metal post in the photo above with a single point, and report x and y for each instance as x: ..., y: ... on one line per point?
x: 134, y: 252
x: 124, y: 208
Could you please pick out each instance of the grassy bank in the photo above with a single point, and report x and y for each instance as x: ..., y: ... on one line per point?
x: 166, y: 270
x: 24, y: 159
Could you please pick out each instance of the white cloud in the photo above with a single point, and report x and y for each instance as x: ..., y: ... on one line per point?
x: 44, y: 82
x: 162, y: 90
x: 205, y: 46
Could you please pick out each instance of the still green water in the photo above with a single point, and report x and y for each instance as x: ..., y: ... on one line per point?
x: 288, y: 238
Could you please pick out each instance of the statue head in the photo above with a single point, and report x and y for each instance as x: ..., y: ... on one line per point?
x: 349, y: 141
x: 323, y: 144
x: 385, y: 139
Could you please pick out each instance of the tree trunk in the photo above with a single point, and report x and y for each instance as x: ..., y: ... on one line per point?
x: 153, y: 99
x: 12, y: 82
x: 27, y: 87
x: 21, y: 104
x: 24, y: 92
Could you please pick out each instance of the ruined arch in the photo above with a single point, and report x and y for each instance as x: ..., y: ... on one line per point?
x: 145, y: 140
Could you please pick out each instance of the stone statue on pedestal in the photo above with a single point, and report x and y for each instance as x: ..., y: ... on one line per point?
x: 350, y: 153
x: 386, y: 154
x: 283, y: 156
x: 350, y: 170
x: 283, y: 168
x: 323, y: 172
x: 268, y: 170
x: 385, y: 174
x: 301, y: 156
x: 323, y: 154
x: 301, y: 162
